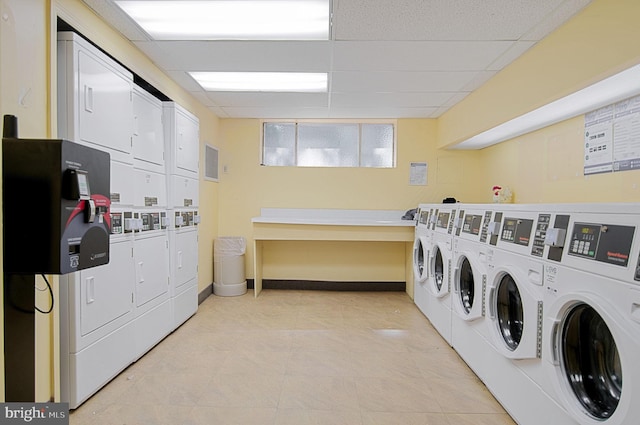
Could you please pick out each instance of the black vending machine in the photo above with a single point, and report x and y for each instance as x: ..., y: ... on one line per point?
x: 55, y: 203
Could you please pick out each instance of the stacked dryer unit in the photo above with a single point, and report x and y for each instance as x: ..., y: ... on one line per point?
x: 97, y: 338
x: 151, y: 239
x: 438, y: 282
x: 592, y: 314
x: 111, y: 315
x: 421, y: 257
x: 181, y: 130
x: 470, y: 252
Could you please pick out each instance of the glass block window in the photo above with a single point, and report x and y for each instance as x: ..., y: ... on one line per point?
x: 305, y: 144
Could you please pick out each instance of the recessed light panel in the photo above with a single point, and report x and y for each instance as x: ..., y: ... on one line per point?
x: 231, y: 19
x: 262, y: 81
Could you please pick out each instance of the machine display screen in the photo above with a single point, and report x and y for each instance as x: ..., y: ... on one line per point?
x: 83, y: 184
x: 443, y: 220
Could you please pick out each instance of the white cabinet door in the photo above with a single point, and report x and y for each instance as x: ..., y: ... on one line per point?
x: 148, y: 134
x: 150, y: 189
x: 122, y: 190
x: 185, y: 257
x: 105, y: 112
x: 184, y: 192
x: 151, y: 257
x: 106, y: 291
x: 182, y: 140
x: 187, y: 144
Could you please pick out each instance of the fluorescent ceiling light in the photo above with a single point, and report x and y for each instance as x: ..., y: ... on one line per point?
x: 262, y: 81
x: 231, y: 19
x: 618, y: 87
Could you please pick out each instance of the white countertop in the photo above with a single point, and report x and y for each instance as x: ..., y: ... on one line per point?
x: 333, y: 217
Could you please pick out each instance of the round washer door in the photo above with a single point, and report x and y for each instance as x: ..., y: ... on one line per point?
x: 438, y: 282
x: 515, y: 308
x: 590, y: 361
x: 468, y: 289
x: 420, y: 268
x: 509, y: 312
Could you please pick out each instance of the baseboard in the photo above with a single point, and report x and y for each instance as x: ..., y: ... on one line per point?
x: 321, y: 285
x: 204, y: 294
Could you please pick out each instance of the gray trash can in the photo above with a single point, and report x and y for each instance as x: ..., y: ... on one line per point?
x: 228, y: 266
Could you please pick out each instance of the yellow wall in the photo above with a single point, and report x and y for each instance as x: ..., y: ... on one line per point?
x: 547, y: 165
x: 598, y: 42
x: 247, y: 187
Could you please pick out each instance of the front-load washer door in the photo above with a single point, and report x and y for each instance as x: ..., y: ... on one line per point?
x: 439, y: 276
x: 468, y: 288
x: 420, y: 257
x: 590, y: 361
x: 516, y: 316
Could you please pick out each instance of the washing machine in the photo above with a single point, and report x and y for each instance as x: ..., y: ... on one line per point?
x: 438, y: 282
x: 592, y: 316
x: 420, y: 257
x: 516, y: 263
x: 470, y: 245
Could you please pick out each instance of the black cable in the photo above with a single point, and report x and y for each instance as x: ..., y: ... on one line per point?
x: 50, y: 293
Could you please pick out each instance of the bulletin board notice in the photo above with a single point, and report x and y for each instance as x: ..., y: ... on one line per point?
x: 612, y: 138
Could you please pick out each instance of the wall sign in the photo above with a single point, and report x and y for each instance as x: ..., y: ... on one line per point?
x: 612, y: 138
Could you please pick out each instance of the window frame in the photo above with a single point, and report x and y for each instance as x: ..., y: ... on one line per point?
x: 392, y: 122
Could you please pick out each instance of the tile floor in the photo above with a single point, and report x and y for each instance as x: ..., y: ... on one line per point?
x: 298, y: 358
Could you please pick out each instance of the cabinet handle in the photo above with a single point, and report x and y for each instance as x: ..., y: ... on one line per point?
x: 91, y: 290
x: 88, y: 98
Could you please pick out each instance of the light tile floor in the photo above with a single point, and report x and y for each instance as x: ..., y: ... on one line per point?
x: 298, y: 358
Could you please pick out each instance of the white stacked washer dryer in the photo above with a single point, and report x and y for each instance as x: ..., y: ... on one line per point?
x: 515, y: 307
x: 592, y: 314
x: 438, y: 283
x: 421, y: 257
x: 151, y: 246
x: 182, y: 143
x: 97, y: 335
x: 470, y: 245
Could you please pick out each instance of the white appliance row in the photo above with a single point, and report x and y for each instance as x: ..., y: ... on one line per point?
x: 112, y: 315
x: 544, y: 303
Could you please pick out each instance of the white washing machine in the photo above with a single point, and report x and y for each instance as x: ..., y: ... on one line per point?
x: 515, y: 306
x: 438, y: 283
x: 420, y: 257
x: 592, y: 316
x: 470, y: 245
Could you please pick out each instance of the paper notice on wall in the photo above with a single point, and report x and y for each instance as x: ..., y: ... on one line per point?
x: 626, y: 130
x: 418, y: 174
x: 598, y: 141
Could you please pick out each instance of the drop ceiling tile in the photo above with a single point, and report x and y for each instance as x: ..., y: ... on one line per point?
x: 275, y: 100
x: 203, y: 98
x: 276, y: 113
x: 300, y: 56
x: 399, y: 81
x: 478, y: 80
x: 517, y: 49
x: 417, y: 55
x: 185, y: 80
x: 560, y: 15
x: 396, y: 100
x: 381, y: 112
